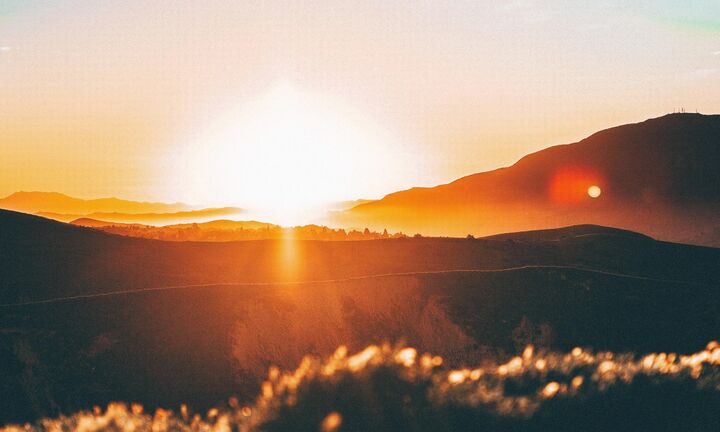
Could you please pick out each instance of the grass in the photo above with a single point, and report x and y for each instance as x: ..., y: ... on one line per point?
x: 394, y: 388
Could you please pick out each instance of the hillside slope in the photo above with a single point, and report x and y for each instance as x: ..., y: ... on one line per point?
x: 42, y: 259
x: 199, y: 345
x: 105, y: 317
x: 658, y: 177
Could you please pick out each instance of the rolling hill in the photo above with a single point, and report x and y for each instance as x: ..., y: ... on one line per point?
x: 88, y: 317
x: 46, y: 259
x: 659, y: 177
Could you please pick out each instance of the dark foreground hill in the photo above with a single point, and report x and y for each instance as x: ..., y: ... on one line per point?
x: 42, y: 259
x: 659, y: 177
x: 105, y: 318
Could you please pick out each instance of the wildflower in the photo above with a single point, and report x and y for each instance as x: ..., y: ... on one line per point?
x: 551, y: 389
x: 648, y: 361
x: 267, y: 390
x: 426, y: 361
x: 273, y: 373
x: 331, y: 422
x: 136, y: 408
x: 340, y: 353
x: 456, y: 377
x: 606, y: 366
x: 514, y: 365
x: 577, y: 382
x: 406, y: 357
x: 528, y: 352
x: 358, y: 361
x: 476, y: 374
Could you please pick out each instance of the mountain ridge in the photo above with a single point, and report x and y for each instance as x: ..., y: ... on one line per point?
x: 57, y: 202
x: 531, y: 156
x: 658, y: 177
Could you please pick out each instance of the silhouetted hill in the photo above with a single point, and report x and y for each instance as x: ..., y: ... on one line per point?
x: 54, y: 202
x: 566, y: 233
x: 47, y: 259
x: 658, y: 177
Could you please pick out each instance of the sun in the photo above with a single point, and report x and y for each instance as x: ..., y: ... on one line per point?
x: 594, y: 191
x: 286, y: 155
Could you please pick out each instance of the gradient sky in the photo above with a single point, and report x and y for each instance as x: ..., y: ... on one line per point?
x: 155, y: 100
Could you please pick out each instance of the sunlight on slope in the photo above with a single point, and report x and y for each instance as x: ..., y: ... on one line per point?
x: 289, y: 260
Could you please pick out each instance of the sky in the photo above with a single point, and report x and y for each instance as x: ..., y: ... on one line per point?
x: 227, y: 102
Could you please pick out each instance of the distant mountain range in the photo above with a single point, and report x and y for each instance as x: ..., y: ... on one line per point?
x: 660, y: 177
x: 189, y: 216
x: 54, y: 202
x: 64, y: 208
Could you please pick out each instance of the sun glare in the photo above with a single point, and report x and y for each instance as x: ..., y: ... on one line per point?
x: 287, y: 156
x: 572, y: 185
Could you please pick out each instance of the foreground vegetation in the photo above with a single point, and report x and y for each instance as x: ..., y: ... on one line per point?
x: 386, y: 388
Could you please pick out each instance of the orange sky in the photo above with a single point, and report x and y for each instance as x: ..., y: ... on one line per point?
x: 225, y: 102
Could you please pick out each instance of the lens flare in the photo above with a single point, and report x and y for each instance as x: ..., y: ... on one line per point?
x: 571, y: 185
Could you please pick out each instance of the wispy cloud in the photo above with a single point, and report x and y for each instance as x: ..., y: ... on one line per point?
x: 717, y: 53
x: 5, y: 48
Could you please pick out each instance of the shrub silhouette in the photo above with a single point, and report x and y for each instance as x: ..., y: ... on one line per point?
x: 385, y: 388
